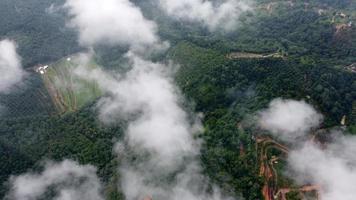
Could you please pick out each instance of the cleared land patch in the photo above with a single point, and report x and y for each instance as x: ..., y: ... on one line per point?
x: 238, y: 55
x: 68, y: 91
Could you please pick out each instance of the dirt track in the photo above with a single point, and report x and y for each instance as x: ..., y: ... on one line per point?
x: 270, y: 189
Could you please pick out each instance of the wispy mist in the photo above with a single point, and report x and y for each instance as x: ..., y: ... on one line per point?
x: 111, y: 22
x: 330, y: 165
x: 289, y: 119
x: 159, y: 153
x: 159, y: 134
x: 214, y: 15
x: 10, y: 66
x: 61, y: 181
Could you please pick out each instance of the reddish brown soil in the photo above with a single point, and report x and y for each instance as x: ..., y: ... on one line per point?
x: 270, y: 190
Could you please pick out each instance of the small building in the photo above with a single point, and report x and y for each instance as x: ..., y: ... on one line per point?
x: 41, y: 69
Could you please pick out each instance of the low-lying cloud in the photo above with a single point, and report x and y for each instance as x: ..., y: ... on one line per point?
x: 10, y: 66
x: 111, y: 22
x: 147, y: 90
x: 333, y: 168
x: 214, y: 15
x: 330, y: 165
x: 289, y: 119
x: 159, y: 153
x: 160, y: 134
x: 61, y: 181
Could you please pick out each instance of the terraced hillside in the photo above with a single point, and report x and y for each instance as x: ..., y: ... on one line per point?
x: 67, y: 91
x: 50, y: 89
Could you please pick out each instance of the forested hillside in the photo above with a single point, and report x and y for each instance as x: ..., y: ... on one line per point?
x: 28, y: 140
x: 228, y: 91
x: 302, y: 50
x: 39, y: 30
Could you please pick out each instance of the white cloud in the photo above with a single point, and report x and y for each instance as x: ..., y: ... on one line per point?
x: 160, y: 133
x: 68, y: 179
x: 10, y: 66
x: 332, y: 168
x: 147, y: 89
x: 189, y: 184
x: 224, y: 15
x: 111, y: 22
x: 289, y: 119
x: 331, y: 165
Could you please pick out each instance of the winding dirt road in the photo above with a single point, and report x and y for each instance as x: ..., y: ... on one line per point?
x: 270, y: 189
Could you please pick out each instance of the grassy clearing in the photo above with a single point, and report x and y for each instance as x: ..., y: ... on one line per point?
x: 68, y: 91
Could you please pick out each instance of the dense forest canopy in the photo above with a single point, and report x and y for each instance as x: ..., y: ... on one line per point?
x: 301, y: 50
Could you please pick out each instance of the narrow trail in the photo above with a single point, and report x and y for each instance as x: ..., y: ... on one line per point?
x: 270, y: 189
x: 54, y: 94
x: 247, y: 55
x: 266, y: 166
